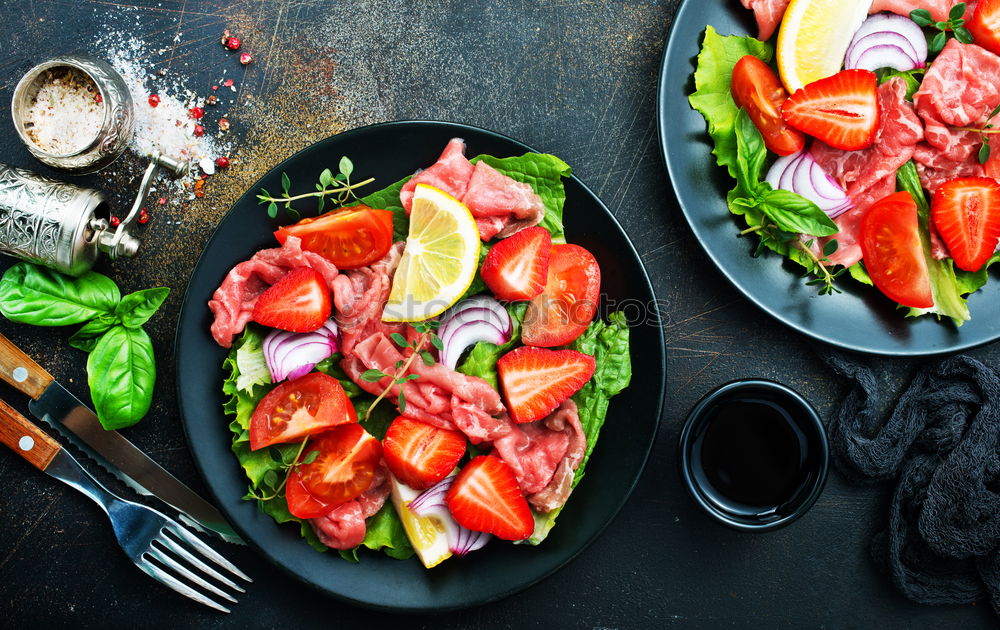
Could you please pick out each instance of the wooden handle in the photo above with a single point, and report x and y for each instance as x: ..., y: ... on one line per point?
x: 26, y: 439
x: 19, y: 371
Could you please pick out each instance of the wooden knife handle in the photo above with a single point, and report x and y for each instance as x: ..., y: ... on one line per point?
x: 19, y: 371
x: 24, y: 438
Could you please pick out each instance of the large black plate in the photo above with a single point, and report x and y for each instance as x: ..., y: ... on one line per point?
x: 859, y: 319
x: 388, y: 152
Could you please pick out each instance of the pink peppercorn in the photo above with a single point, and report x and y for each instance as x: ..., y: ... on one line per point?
x: 196, y: 113
x: 154, y: 100
x: 199, y: 131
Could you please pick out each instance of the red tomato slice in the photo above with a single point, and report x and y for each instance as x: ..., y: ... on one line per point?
x: 346, y: 464
x: 564, y: 309
x: 757, y: 89
x: 350, y: 238
x: 298, y: 408
x: 893, y: 255
x: 300, y: 502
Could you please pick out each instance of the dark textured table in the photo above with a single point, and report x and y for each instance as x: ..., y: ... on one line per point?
x: 576, y: 79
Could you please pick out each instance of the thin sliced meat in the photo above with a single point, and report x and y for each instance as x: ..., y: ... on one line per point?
x: 870, y: 174
x: 476, y: 423
x: 537, y: 451
x: 435, y: 396
x: 232, y: 303
x: 451, y: 173
x: 768, y: 14
x: 344, y: 526
x: 939, y: 8
x: 359, y: 297
x: 501, y: 205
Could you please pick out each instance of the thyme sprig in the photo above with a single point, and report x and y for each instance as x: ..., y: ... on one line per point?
x: 399, y: 375
x: 954, y: 24
x: 339, y: 186
x: 271, y: 476
x: 984, y: 135
x: 820, y: 264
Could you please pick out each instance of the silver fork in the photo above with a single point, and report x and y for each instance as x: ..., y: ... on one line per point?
x: 157, y: 544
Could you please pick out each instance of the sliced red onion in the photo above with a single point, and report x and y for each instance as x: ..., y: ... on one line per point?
x: 290, y: 355
x: 887, y: 41
x: 431, y: 503
x: 801, y: 174
x: 475, y: 319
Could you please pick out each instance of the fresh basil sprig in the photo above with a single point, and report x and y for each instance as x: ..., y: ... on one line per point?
x: 778, y: 216
x: 121, y: 371
x: 955, y: 24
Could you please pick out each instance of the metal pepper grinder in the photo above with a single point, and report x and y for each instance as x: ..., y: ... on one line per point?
x: 63, y: 226
x: 60, y: 225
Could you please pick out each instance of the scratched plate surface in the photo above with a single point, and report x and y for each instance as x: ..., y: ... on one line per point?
x: 860, y: 318
x: 389, y: 152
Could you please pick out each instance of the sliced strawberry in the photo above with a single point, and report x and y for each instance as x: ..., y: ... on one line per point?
x: 841, y: 110
x: 536, y: 380
x: 516, y: 268
x: 486, y: 498
x: 966, y: 212
x: 985, y: 25
x: 298, y: 302
x: 420, y: 455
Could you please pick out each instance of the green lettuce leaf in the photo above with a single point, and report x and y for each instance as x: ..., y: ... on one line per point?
x: 712, y: 96
x: 388, y: 199
x: 544, y: 173
x: 384, y: 531
x: 608, y: 343
x: 972, y: 281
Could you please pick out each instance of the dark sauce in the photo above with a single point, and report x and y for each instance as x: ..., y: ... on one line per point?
x: 750, y: 456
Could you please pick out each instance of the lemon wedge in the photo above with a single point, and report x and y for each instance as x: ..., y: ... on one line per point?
x: 813, y: 38
x: 426, y: 533
x: 440, y: 259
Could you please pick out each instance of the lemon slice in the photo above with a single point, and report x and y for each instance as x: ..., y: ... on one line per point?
x: 440, y: 259
x: 426, y: 533
x: 814, y: 37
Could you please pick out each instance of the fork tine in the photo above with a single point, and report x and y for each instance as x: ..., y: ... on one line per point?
x: 176, y: 567
x: 168, y: 580
x: 205, y: 550
x: 196, y: 563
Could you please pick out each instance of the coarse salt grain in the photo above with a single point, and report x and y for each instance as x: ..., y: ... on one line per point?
x: 207, y: 166
x: 65, y: 116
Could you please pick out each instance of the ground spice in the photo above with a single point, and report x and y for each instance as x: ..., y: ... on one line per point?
x: 66, y: 115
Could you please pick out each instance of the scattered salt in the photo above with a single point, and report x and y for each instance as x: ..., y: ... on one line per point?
x: 207, y: 166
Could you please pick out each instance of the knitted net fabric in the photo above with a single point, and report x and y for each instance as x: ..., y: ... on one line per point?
x: 940, y: 444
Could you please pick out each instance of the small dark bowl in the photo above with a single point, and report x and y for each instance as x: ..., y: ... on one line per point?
x: 816, y: 459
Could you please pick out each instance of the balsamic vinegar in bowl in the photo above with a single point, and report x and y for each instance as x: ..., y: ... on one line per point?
x: 754, y: 455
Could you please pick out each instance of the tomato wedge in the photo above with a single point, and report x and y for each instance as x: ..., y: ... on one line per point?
x: 298, y: 408
x: 757, y: 89
x: 300, y: 502
x: 566, y: 306
x: 346, y: 464
x: 350, y: 238
x: 893, y: 255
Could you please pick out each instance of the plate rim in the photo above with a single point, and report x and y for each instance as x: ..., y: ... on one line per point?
x: 617, y: 507
x: 662, y: 95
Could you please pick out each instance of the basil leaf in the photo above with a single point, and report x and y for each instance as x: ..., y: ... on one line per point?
x: 135, y: 309
x: 957, y: 11
x: 121, y: 374
x: 30, y: 294
x: 794, y: 213
x: 750, y: 153
x: 922, y: 17
x: 87, y: 337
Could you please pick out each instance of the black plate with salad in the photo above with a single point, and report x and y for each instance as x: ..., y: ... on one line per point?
x: 389, y: 152
x: 858, y: 318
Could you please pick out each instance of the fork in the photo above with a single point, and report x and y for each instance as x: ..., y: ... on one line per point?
x: 156, y: 543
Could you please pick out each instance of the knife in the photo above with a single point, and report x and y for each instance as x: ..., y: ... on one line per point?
x: 54, y: 404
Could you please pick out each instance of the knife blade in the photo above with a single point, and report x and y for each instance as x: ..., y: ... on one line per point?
x: 58, y: 407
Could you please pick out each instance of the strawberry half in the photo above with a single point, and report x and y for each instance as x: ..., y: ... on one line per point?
x: 841, y: 110
x: 535, y: 381
x: 485, y: 497
x: 985, y: 25
x: 516, y: 268
x: 966, y: 212
x: 298, y: 302
x: 420, y: 455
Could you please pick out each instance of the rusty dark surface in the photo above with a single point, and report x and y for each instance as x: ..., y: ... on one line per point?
x: 576, y: 79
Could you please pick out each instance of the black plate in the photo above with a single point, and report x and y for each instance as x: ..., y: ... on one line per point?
x: 860, y: 318
x: 389, y: 152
